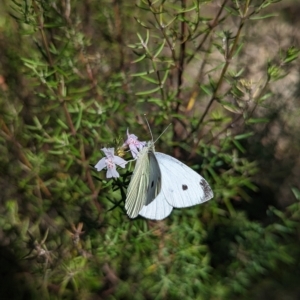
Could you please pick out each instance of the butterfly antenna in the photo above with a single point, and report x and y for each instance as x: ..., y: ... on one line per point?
x: 163, y: 132
x: 151, y: 131
x: 148, y: 127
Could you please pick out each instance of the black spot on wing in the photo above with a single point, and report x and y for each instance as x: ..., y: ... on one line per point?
x: 184, y: 187
x: 206, y: 188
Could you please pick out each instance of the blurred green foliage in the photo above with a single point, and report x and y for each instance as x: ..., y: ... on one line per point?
x: 74, y: 75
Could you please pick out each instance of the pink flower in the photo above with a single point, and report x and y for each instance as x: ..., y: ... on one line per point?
x: 134, y: 144
x: 111, y: 161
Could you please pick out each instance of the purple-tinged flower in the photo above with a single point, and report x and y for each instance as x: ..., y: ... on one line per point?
x: 111, y: 161
x: 134, y: 144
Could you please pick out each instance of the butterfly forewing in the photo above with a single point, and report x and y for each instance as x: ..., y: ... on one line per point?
x: 145, y: 182
x: 137, y: 189
x: 181, y: 186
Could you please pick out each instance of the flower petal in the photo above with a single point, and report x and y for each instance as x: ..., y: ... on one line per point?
x: 109, y: 152
x: 100, y: 164
x: 134, y: 151
x: 120, y: 161
x: 112, y: 172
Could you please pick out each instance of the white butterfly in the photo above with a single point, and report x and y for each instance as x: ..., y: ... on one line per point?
x: 161, y: 182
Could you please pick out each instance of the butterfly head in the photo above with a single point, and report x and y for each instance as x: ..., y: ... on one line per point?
x: 150, y: 146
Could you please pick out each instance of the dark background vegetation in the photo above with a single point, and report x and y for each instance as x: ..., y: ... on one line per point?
x: 74, y: 75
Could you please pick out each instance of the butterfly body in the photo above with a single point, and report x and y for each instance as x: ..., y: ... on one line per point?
x: 161, y: 182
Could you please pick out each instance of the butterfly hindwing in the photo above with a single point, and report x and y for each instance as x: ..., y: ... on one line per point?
x: 154, y: 208
x: 181, y: 186
x: 158, y: 209
x: 154, y: 186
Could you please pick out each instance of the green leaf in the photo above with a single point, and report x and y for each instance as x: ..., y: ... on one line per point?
x: 291, y: 55
x: 139, y: 59
x: 157, y: 101
x: 264, y: 97
x: 143, y: 7
x: 160, y: 48
x: 33, y: 62
x: 165, y: 76
x: 79, y: 117
x: 296, y: 193
x: 143, y: 73
x: 62, y: 124
x: 141, y: 23
x: 56, y: 152
x: 171, y: 21
x: 243, y: 136
x: 207, y: 90
x: 238, y: 50
x: 220, y: 48
x: 135, y: 46
x: 150, y: 79
x: 232, y: 11
x: 230, y: 107
x: 239, y: 146
x: 257, y: 120
x: 220, y: 66
x: 263, y: 17
x: 148, y: 92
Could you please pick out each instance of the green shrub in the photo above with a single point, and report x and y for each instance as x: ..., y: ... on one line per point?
x: 74, y: 75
